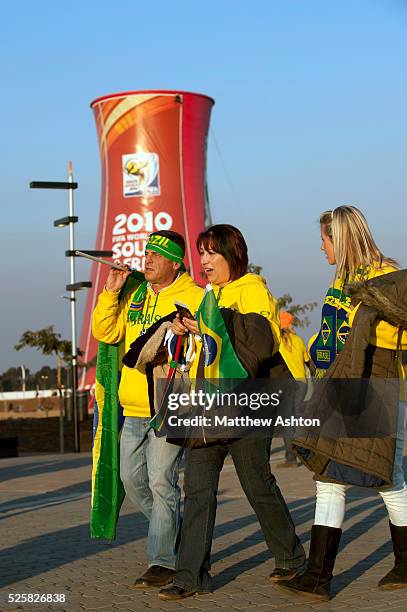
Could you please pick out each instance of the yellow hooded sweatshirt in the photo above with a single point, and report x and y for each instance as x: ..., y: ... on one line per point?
x: 294, y: 353
x: 110, y: 324
x: 249, y: 293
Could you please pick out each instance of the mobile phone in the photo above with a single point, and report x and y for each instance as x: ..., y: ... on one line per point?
x: 183, y: 310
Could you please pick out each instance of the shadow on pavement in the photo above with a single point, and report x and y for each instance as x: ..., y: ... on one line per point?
x: 48, y: 551
x: 341, y: 581
x: 42, y: 467
x: 302, y: 511
x: 22, y: 505
x: 45, y: 552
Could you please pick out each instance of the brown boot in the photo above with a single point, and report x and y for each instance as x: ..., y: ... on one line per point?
x: 315, y: 582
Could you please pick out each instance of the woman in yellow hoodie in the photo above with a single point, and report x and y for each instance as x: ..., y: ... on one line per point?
x: 349, y: 245
x: 224, y: 260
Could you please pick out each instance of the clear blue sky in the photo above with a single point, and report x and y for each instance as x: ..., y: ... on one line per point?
x: 310, y: 113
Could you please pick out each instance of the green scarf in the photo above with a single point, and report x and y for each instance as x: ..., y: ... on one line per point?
x: 137, y: 302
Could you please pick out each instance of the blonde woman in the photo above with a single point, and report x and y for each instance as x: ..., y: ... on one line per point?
x: 349, y: 245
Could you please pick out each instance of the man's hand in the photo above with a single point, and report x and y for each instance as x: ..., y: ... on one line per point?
x: 117, y: 278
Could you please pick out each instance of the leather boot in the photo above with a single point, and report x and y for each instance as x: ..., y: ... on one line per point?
x: 315, y: 582
x: 397, y: 576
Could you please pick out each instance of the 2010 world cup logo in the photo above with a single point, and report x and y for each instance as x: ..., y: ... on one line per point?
x: 140, y: 174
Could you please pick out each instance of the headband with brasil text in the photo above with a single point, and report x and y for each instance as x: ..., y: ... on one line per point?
x: 166, y: 247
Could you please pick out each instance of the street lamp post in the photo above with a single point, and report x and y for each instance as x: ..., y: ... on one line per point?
x: 73, y: 315
x: 70, y: 221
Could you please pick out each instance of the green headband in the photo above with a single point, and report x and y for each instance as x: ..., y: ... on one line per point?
x: 166, y: 247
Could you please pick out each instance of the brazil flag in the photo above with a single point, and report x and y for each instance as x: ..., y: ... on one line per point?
x: 107, y: 488
x: 220, y: 358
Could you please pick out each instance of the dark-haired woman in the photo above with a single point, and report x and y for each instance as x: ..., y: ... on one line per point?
x: 224, y: 260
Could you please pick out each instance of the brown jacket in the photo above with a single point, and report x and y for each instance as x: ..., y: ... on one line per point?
x: 252, y: 340
x: 357, y: 400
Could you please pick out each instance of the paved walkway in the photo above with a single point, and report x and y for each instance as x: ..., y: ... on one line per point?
x: 45, y: 545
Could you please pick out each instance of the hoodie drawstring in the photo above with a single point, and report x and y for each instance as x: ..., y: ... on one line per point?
x: 143, y: 331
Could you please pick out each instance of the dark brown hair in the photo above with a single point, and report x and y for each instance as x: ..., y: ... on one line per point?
x: 229, y: 242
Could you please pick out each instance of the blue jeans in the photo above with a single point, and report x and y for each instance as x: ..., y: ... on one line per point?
x: 150, y: 478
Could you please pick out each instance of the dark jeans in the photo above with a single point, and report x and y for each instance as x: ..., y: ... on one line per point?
x: 251, y: 457
x: 292, y: 407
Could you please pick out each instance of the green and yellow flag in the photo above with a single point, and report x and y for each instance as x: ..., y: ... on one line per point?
x: 220, y: 358
x: 107, y: 488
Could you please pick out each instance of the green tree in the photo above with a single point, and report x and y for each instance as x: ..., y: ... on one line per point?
x: 49, y: 342
x: 253, y: 269
x: 10, y: 380
x: 299, y: 311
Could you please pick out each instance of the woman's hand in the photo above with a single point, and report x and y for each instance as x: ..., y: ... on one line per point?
x: 191, y: 325
x: 180, y: 327
x: 177, y: 327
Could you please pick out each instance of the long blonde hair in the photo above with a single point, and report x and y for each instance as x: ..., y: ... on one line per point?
x: 353, y: 243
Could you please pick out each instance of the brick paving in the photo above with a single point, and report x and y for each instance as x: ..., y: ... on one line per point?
x: 45, y: 545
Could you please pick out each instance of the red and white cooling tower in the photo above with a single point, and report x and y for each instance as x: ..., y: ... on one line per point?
x: 153, y: 155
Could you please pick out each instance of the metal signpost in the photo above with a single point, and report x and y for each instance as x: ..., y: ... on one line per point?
x: 70, y: 221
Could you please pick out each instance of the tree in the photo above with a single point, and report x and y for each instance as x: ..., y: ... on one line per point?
x: 10, y: 380
x: 45, y: 378
x: 49, y: 342
x: 253, y: 269
x: 285, y: 302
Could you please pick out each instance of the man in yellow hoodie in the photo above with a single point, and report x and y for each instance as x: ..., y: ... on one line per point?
x: 149, y: 473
